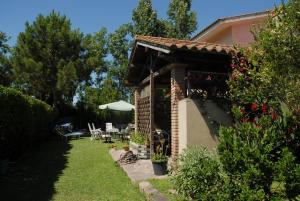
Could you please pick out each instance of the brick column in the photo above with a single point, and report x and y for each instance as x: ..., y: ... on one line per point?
x: 177, y: 93
x: 137, y: 94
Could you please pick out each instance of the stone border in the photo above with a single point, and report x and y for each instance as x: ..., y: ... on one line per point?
x: 151, y: 193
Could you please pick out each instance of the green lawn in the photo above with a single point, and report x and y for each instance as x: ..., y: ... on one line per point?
x: 81, y: 170
x: 164, y: 185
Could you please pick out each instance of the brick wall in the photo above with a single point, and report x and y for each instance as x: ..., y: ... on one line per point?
x: 177, y: 93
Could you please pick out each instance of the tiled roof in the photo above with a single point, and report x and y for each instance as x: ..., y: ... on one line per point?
x: 174, y: 44
x: 237, y: 18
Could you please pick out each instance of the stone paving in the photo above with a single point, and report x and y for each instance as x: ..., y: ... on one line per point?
x: 141, y: 170
x: 138, y: 172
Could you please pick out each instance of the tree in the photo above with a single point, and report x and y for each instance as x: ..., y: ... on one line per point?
x: 50, y: 59
x: 145, y: 20
x: 182, y: 20
x: 119, y: 46
x: 5, y: 68
x: 96, y: 49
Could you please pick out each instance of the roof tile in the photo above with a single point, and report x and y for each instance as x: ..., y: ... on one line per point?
x: 172, y: 43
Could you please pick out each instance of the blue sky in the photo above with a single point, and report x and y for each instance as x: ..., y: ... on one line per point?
x: 90, y: 15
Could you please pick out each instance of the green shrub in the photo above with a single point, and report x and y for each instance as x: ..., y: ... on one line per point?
x: 260, y: 152
x: 138, y: 138
x: 24, y: 121
x: 199, y: 175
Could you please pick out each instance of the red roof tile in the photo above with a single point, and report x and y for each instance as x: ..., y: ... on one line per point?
x: 172, y: 44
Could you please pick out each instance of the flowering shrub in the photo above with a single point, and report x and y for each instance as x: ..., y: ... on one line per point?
x: 262, y: 148
x: 259, y: 155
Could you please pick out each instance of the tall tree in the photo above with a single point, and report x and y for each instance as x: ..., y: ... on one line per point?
x: 119, y: 46
x: 50, y: 58
x: 181, y: 24
x: 96, y: 50
x: 5, y: 68
x: 145, y: 20
x: 183, y: 21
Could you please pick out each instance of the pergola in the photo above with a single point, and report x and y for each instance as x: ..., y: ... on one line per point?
x: 164, y: 68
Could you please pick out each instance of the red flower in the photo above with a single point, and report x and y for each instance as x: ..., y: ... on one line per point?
x: 245, y: 120
x: 290, y: 130
x: 243, y: 70
x: 254, y: 107
x: 297, y: 111
x: 243, y: 61
x: 274, y: 115
x: 232, y: 66
x: 264, y: 108
x: 243, y: 111
x: 233, y: 76
x: 248, y: 79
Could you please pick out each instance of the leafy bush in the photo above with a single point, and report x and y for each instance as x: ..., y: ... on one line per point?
x: 24, y: 121
x: 200, y: 175
x: 257, y: 155
x: 261, y: 149
x: 138, y: 138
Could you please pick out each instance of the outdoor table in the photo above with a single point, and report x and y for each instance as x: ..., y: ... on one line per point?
x: 113, y: 132
x: 120, y: 135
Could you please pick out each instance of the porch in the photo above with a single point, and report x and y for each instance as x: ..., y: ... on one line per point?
x: 172, y: 78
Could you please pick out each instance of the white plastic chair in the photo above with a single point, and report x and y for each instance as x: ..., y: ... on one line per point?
x: 98, y: 129
x: 108, y: 127
x: 94, y: 133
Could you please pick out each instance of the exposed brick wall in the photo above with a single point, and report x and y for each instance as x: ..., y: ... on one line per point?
x: 177, y: 93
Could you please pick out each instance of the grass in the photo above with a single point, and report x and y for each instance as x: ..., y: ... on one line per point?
x: 164, y: 185
x: 81, y: 170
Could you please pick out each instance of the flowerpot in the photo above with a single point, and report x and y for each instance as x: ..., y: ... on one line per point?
x: 141, y: 150
x: 160, y: 168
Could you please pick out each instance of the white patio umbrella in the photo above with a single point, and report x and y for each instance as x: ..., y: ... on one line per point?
x: 119, y: 106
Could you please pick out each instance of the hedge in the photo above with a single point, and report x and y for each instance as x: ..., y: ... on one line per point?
x: 24, y: 122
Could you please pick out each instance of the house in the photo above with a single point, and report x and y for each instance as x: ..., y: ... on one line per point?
x: 180, y: 85
x: 232, y: 30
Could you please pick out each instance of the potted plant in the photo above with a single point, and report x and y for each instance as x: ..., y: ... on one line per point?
x: 159, y: 160
x: 137, y: 144
x: 126, y: 147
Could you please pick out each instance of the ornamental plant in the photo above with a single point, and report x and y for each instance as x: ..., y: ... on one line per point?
x: 260, y: 152
x: 160, y: 154
x: 200, y: 175
x: 138, y: 138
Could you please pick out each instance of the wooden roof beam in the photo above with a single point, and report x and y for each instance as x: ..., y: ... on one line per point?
x: 157, y: 73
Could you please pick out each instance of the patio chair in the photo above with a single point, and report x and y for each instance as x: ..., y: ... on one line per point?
x: 126, y: 132
x: 95, y: 134
x: 105, y: 136
x: 66, y: 136
x: 108, y: 126
x: 98, y: 133
x: 95, y: 129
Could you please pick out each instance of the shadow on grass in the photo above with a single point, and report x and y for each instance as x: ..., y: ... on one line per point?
x: 32, y: 177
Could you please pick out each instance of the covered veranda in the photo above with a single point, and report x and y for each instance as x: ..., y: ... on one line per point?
x: 164, y: 71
